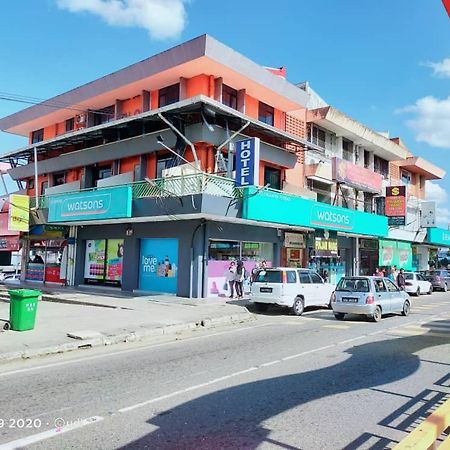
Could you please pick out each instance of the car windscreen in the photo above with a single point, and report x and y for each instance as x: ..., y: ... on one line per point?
x: 353, y: 285
x: 270, y: 276
x: 433, y: 273
x: 409, y: 276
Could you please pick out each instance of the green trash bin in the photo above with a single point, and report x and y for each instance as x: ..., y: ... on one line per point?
x: 22, y: 308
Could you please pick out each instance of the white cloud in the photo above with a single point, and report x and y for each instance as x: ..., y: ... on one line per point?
x: 163, y: 19
x: 440, y: 69
x: 435, y: 193
x: 431, y: 121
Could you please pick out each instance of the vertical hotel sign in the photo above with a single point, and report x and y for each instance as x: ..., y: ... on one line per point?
x: 247, y: 162
x: 19, y: 213
x: 395, y: 207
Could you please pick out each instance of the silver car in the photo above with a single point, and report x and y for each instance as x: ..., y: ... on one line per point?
x: 370, y: 296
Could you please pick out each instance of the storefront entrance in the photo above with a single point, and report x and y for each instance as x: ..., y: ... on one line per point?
x: 47, y: 261
x: 368, y: 256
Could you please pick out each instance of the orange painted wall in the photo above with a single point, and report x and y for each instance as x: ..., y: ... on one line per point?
x: 154, y: 99
x: 127, y: 164
x: 296, y: 175
x: 279, y: 120
x: 197, y: 85
x: 151, y: 165
x: 251, y: 106
x: 132, y: 106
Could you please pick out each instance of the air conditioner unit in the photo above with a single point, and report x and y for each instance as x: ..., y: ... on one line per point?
x: 80, y: 118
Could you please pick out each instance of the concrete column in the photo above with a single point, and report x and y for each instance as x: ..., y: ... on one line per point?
x: 118, y: 109
x: 183, y: 88
x: 218, y: 82
x: 339, y: 151
x: 131, y: 254
x: 241, y: 101
x: 146, y: 101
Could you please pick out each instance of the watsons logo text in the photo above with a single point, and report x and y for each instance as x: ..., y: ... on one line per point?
x: 331, y: 218
x: 85, y: 205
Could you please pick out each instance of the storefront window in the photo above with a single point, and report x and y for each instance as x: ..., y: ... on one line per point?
x: 221, y: 253
x: 47, y: 261
x: 103, y: 261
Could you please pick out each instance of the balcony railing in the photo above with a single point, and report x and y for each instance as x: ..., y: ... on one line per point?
x: 176, y: 186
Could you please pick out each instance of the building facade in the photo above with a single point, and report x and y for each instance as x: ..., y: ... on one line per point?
x: 140, y: 181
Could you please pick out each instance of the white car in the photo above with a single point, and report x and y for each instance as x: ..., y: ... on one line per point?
x: 417, y: 284
x: 289, y: 287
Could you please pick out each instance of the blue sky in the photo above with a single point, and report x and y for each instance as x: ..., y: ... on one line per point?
x: 371, y: 59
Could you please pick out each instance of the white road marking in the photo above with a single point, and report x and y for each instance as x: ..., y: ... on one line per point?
x: 34, y: 438
x: 122, y: 352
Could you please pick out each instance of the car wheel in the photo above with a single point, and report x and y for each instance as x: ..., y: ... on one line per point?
x: 339, y: 316
x: 298, y: 307
x: 376, y: 316
x: 431, y: 290
x: 406, y: 308
x: 418, y: 292
x: 445, y: 288
x: 261, y: 307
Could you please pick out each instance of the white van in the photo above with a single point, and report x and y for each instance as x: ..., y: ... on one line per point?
x: 289, y: 287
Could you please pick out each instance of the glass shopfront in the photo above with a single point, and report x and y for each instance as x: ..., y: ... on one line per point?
x: 368, y: 256
x: 103, y: 262
x: 221, y: 253
x: 47, y: 261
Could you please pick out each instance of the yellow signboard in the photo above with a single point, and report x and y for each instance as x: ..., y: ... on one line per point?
x: 19, y: 212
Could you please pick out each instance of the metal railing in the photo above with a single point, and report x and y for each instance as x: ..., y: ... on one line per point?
x: 176, y: 186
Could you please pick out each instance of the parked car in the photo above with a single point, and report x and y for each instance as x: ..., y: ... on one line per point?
x: 369, y: 296
x: 290, y: 287
x: 439, y: 279
x: 415, y: 283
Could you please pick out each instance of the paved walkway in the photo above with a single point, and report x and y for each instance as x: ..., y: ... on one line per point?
x: 99, y: 319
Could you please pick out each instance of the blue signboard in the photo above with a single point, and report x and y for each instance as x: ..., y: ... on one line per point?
x: 158, y: 265
x: 108, y: 203
x: 247, y: 162
x: 439, y: 236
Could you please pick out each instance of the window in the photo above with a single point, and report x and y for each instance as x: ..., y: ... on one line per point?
x: 169, y: 95
x: 317, y: 136
x: 291, y: 277
x: 266, y: 113
x: 323, y: 190
x: 224, y: 250
x: 406, y: 177
x: 31, y: 183
x: 304, y: 277
x: 162, y: 163
x: 366, y: 159
x: 368, y: 202
x: 347, y: 150
x: 229, y: 96
x: 59, y: 178
x: 381, y: 166
x: 391, y: 286
x: 272, y: 177
x: 103, y: 115
x: 379, y: 285
x: 44, y: 186
x: 70, y: 124
x: 270, y: 276
x: 316, y: 278
x: 37, y: 136
x: 353, y: 285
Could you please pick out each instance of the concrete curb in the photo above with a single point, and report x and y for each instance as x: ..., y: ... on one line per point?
x: 142, y: 334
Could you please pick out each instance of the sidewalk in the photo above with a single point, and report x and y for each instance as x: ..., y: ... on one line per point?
x: 99, y: 319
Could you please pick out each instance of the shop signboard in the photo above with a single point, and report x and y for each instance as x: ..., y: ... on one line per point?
x: 294, y: 240
x: 19, y: 212
x: 9, y: 244
x: 108, y: 203
x: 393, y: 253
x: 439, y: 236
x: 280, y: 207
x: 356, y: 176
x: 326, y: 247
x: 428, y: 214
x: 247, y: 162
x: 158, y: 265
x: 395, y: 205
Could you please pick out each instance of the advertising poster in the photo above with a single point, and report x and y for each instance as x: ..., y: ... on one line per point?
x: 114, y: 260
x: 217, y: 277
x: 94, y: 263
x: 356, y: 176
x: 387, y: 253
x: 395, y: 206
x: 158, y: 265
x: 19, y: 212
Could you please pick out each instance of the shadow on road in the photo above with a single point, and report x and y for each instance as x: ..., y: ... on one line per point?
x: 234, y: 417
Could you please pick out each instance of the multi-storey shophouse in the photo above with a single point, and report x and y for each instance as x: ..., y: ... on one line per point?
x: 141, y: 182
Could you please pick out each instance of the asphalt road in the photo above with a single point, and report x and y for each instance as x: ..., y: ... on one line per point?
x: 280, y: 382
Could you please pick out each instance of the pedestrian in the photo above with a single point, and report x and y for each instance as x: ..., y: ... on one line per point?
x: 239, y: 280
x: 325, y: 276
x: 230, y: 277
x: 401, y: 283
x: 378, y: 273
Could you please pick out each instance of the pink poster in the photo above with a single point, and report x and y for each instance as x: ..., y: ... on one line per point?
x: 217, y: 277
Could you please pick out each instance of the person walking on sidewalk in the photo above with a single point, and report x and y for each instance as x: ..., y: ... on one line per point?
x: 239, y: 280
x: 230, y: 277
x: 401, y: 282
